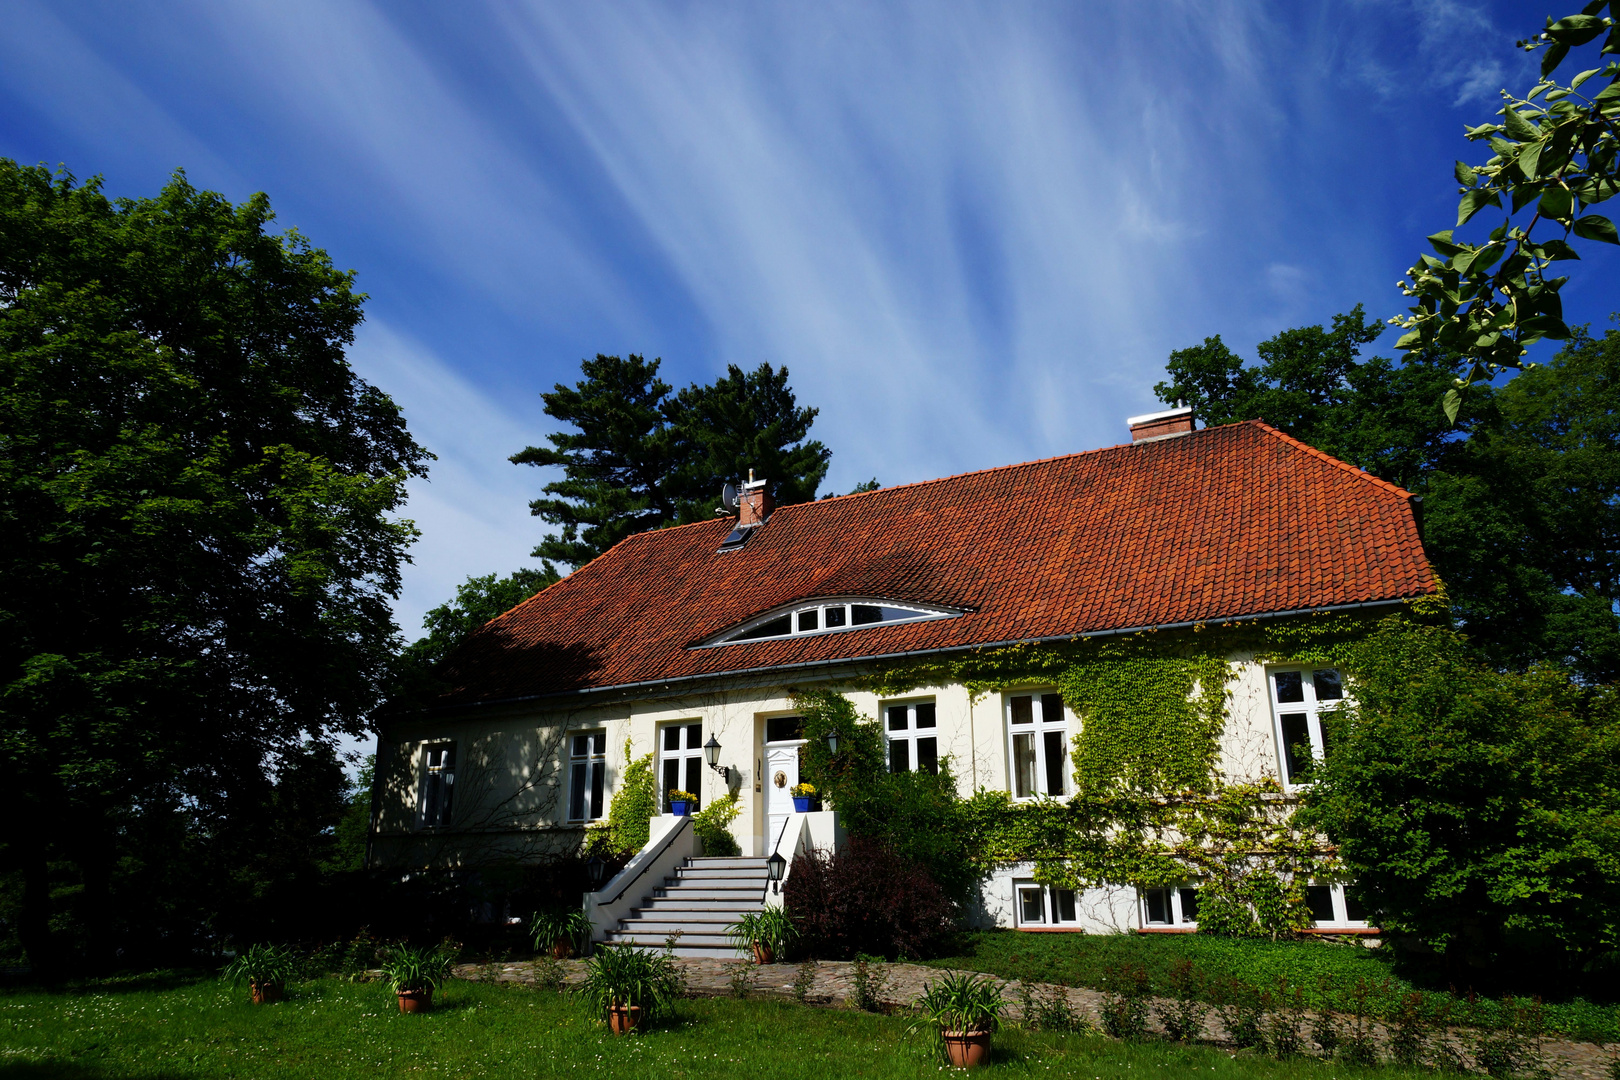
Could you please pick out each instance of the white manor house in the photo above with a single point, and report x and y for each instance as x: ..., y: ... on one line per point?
x: 698, y: 636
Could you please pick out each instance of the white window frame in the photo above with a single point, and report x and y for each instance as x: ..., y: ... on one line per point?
x: 587, y: 775
x: 910, y: 734
x: 1176, y: 905
x: 438, y: 784
x: 1341, y: 919
x: 687, y: 759
x: 1284, y: 714
x: 810, y: 617
x: 1037, y: 728
x: 1052, y: 902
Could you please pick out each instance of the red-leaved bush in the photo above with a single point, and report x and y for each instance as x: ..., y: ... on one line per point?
x: 866, y: 899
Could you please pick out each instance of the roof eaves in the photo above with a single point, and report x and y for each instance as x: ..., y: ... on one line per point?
x: 875, y: 657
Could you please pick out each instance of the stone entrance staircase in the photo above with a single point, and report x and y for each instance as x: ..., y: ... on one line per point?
x: 703, y: 898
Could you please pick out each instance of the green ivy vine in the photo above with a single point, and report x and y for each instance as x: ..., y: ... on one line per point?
x: 629, y: 818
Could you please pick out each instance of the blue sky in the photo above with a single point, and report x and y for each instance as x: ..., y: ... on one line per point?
x: 972, y: 232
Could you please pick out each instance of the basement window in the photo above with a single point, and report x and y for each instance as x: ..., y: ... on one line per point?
x: 828, y: 616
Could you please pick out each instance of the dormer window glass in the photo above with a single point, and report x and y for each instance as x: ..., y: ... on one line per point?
x: 829, y: 616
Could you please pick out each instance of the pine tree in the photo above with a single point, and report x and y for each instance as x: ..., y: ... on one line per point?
x: 642, y: 457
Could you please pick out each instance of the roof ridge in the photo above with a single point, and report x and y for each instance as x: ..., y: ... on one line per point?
x: 974, y: 472
x: 1329, y: 458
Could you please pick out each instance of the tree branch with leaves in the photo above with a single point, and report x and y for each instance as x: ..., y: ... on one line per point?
x: 1554, y: 157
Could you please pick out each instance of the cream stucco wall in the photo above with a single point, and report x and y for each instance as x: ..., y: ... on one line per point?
x: 511, y: 772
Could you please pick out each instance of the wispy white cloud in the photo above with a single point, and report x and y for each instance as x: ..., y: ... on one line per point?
x: 473, y: 509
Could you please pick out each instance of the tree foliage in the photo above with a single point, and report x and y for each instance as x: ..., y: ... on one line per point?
x: 641, y: 456
x: 197, y: 540
x: 477, y: 601
x: 1519, y: 498
x: 1554, y: 157
x: 1477, y: 809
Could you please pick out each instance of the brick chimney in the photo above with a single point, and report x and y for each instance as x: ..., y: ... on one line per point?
x: 754, y: 503
x: 1177, y: 421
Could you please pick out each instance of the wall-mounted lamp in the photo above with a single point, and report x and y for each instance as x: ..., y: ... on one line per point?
x: 596, y: 870
x: 775, y: 867
x: 832, y: 742
x: 711, y: 754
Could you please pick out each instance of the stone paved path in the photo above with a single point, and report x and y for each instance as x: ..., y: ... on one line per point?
x: 903, y: 984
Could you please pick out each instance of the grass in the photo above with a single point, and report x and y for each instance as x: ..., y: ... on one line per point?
x: 181, y: 1028
x: 1326, y: 971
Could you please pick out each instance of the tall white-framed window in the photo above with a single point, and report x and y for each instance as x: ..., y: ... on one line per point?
x: 438, y: 784
x: 1299, y: 696
x: 680, y: 757
x: 1043, y: 905
x: 587, y: 775
x: 913, y: 736
x: 1037, y: 745
x: 1335, y: 906
x: 1168, y: 907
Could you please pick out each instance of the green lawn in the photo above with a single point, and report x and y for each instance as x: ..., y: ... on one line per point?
x: 1326, y: 971
x: 166, y: 1029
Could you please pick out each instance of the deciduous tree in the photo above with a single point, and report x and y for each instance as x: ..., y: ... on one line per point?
x: 198, y: 540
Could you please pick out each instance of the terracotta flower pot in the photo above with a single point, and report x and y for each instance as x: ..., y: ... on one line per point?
x: 415, y: 1000
x: 624, y: 1019
x: 562, y: 948
x: 763, y: 954
x: 265, y: 993
x: 966, y: 1049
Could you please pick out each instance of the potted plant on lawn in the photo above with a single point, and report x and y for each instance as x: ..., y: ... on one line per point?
x: 561, y: 931
x: 963, y: 1010
x: 266, y: 969
x: 681, y: 802
x: 802, y: 794
x: 764, y: 933
x: 415, y: 974
x: 628, y: 987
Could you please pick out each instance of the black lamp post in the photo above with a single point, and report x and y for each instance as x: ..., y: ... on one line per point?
x: 711, y: 754
x: 775, y: 867
x: 596, y: 869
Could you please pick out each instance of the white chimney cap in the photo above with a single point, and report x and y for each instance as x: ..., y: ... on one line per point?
x: 1148, y: 418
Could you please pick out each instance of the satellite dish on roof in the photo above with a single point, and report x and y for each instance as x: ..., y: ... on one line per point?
x: 728, y: 498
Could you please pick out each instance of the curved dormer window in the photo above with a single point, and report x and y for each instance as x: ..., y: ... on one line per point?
x: 829, y: 616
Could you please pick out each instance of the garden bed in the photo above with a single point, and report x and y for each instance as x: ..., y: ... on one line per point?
x: 1325, y: 971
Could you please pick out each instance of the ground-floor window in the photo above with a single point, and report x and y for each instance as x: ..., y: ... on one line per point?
x: 1043, y: 905
x: 1176, y: 906
x: 913, y: 738
x: 438, y: 785
x: 1331, y: 906
x: 587, y: 773
x: 1335, y: 906
x: 681, y: 754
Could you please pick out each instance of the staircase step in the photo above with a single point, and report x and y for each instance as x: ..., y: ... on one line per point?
x: 669, y: 926
x: 719, y: 873
x: 703, y: 893
x: 719, y: 861
x: 688, y: 940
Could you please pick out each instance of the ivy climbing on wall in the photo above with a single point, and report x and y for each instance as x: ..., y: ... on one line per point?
x: 1151, y: 807
x: 629, y: 817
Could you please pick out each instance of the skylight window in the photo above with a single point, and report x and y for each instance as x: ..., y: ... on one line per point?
x: 829, y: 616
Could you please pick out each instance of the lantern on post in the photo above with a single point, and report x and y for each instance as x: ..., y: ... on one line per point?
x: 775, y: 867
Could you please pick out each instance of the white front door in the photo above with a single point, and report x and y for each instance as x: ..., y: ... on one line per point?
x: 781, y: 773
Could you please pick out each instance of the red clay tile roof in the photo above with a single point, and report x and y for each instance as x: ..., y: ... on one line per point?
x: 1229, y: 521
